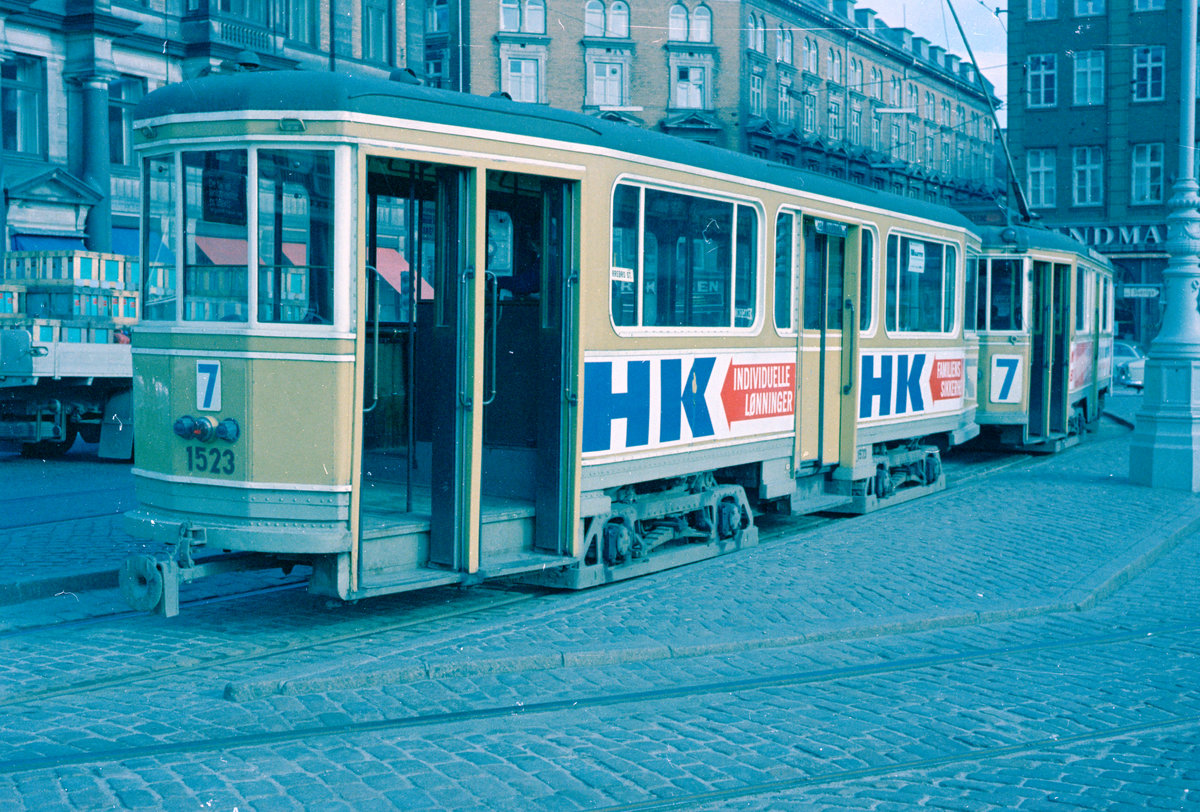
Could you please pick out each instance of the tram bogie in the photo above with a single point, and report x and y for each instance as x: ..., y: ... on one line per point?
x: 461, y: 338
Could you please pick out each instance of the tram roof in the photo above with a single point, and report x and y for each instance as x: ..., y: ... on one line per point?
x: 1035, y: 237
x: 297, y: 92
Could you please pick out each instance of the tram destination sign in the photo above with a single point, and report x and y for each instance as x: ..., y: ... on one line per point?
x: 1140, y: 291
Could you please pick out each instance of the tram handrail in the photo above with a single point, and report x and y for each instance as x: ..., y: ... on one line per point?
x: 572, y: 281
x: 851, y: 331
x: 491, y: 276
x: 375, y: 322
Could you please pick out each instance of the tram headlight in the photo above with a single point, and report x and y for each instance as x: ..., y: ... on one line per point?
x: 196, y: 428
x: 184, y: 426
x: 228, y: 430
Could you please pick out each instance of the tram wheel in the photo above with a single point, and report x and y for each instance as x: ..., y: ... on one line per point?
x: 140, y: 582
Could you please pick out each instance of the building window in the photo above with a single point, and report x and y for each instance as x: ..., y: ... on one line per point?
x: 835, y: 67
x: 1043, y: 9
x: 783, y: 46
x: 521, y: 79
x: 302, y: 16
x: 1147, y: 174
x: 810, y: 56
x: 945, y: 113
x: 1043, y: 80
x: 1087, y: 176
x: 1148, y: 65
x: 527, y: 17
x: 810, y: 112
x: 894, y: 95
x: 608, y: 83
x: 897, y: 146
x: 758, y: 34
x: 930, y: 107
x: 254, y: 10
x: 1089, y: 77
x: 22, y: 102
x: 1088, y: 8
x: 610, y: 22
x: 677, y: 23
x: 856, y: 126
x: 701, y: 25
x: 435, y: 72
x: 756, y: 95
x: 835, y: 120
x: 1040, y: 178
x: 856, y: 75
x: 618, y: 20
x: 375, y: 31
x: 437, y: 16
x: 123, y: 94
x: 593, y: 19
x: 510, y: 15
x: 876, y: 131
x: 1149, y: 5
x: 786, y: 113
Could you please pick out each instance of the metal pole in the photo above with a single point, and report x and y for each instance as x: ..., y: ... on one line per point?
x: 1165, y: 450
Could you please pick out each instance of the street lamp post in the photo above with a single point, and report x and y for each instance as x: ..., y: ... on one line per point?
x: 1165, y: 451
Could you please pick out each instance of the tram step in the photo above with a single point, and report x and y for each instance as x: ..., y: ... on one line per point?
x: 817, y: 502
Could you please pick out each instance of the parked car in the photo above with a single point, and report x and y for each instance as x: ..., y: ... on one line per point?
x: 1129, y: 364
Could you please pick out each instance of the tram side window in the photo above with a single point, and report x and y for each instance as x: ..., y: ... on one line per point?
x: 920, y: 285
x: 1082, y: 295
x: 216, y: 234
x: 866, y: 280
x: 970, y: 295
x: 785, y: 318
x: 1007, y: 295
x: 698, y: 261
x: 295, y: 236
x: 158, y: 216
x: 624, y: 272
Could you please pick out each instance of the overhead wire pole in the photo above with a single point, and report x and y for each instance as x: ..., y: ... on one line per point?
x: 1022, y: 203
x: 1165, y: 449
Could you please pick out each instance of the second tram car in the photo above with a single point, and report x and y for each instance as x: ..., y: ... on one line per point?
x: 411, y: 337
x: 1044, y: 317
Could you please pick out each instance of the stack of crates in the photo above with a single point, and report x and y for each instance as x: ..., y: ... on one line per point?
x: 70, y: 296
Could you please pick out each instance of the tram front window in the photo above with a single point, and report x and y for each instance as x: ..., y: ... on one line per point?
x: 295, y: 236
x: 215, y: 236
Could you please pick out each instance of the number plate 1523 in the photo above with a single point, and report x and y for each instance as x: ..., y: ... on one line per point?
x: 204, y: 460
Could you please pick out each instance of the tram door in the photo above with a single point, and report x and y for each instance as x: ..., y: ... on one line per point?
x: 527, y: 346
x: 825, y: 360
x: 1050, y: 351
x: 417, y: 436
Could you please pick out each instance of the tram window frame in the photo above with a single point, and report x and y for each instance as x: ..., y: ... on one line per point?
x: 659, y: 260
x: 160, y: 206
x: 785, y: 272
x: 183, y: 291
x: 907, y: 317
x: 971, y: 294
x: 316, y: 279
x: 867, y: 268
x: 1014, y: 269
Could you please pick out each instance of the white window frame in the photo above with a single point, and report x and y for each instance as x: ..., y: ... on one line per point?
x: 1149, y: 72
x: 1146, y: 169
x: 1089, y: 8
x: 1089, y: 78
x: 1087, y: 176
x: 1043, y: 9
x: 1041, y: 178
x: 1042, y: 80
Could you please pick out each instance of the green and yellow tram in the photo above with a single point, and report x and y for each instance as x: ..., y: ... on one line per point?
x: 411, y: 337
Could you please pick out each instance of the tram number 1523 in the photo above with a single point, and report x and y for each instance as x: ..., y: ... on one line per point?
x: 210, y: 460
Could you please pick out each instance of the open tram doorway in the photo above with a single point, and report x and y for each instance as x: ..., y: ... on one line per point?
x: 433, y: 499
x: 1050, y: 351
x: 416, y: 432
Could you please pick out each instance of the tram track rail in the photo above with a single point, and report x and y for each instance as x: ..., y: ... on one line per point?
x: 675, y: 693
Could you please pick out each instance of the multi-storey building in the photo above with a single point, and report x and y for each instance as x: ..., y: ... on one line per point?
x: 71, y: 72
x: 1093, y: 123
x: 817, y: 83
